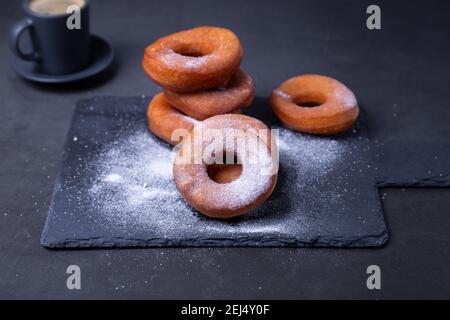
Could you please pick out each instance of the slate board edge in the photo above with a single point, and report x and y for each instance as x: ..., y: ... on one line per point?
x: 438, y: 182
x: 378, y: 241
x: 57, y: 183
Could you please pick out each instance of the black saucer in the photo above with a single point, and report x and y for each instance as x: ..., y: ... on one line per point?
x: 102, y: 57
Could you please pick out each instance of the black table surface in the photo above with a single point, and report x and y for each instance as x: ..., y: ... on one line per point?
x: 399, y: 74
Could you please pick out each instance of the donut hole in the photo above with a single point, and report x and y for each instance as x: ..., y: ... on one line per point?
x: 192, y: 51
x: 225, y: 172
x: 310, y: 101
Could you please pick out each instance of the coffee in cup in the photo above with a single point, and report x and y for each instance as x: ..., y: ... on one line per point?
x: 54, y: 7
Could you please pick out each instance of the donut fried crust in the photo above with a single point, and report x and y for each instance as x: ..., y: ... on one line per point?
x: 239, y: 192
x: 193, y: 60
x: 315, y: 104
x: 164, y: 119
x: 204, y: 104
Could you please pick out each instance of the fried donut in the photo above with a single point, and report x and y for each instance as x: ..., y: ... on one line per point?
x: 164, y: 119
x: 193, y: 60
x: 224, y: 200
x: 204, y: 104
x: 243, y: 122
x: 315, y: 104
x: 224, y: 173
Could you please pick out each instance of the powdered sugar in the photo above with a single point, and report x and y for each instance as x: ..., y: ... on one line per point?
x: 133, y: 173
x: 282, y: 94
x: 161, y: 168
x: 133, y: 186
x: 318, y: 154
x: 171, y: 59
x: 255, y: 180
x: 116, y: 188
x: 113, y: 177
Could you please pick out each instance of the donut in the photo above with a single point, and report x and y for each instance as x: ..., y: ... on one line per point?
x: 315, y: 104
x: 224, y: 173
x: 193, y: 60
x: 164, y: 119
x: 233, y: 198
x: 161, y: 116
x: 204, y: 104
x: 242, y: 122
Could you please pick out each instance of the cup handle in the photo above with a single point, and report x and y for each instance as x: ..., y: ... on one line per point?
x: 14, y: 37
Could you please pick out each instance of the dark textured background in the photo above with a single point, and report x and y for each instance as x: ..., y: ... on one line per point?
x: 399, y: 74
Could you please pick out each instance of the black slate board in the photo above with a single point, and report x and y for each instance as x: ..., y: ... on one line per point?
x: 326, y: 193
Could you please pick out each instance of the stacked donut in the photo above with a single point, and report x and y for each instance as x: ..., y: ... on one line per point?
x: 199, y: 72
x: 204, y: 89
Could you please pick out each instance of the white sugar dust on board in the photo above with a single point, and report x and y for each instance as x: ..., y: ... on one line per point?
x: 133, y: 178
x: 132, y: 189
x: 311, y: 153
x: 312, y: 173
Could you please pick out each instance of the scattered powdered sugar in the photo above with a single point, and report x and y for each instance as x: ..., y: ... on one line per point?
x: 113, y: 177
x: 172, y: 58
x: 247, y: 188
x: 132, y: 178
x: 312, y: 153
x: 347, y: 98
x: 162, y: 168
x: 282, y: 94
x: 131, y: 188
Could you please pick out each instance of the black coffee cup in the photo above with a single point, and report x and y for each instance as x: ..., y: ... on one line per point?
x: 59, y: 45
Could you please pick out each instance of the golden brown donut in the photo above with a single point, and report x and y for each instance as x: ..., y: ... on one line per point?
x: 224, y: 200
x: 315, y: 104
x: 243, y: 122
x: 163, y: 119
x: 224, y: 173
x: 197, y: 59
x: 204, y: 104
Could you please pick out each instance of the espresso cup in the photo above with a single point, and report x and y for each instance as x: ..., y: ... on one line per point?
x: 59, y: 35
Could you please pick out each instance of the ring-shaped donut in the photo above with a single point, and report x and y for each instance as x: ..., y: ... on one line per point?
x: 224, y: 200
x: 204, y: 104
x: 193, y: 60
x: 163, y: 120
x: 315, y: 104
x: 224, y: 173
x: 242, y: 122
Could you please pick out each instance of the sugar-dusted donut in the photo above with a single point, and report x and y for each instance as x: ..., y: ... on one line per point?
x: 163, y: 119
x: 243, y: 122
x: 315, y: 104
x: 224, y: 173
x: 232, y: 198
x: 204, y: 104
x: 197, y: 59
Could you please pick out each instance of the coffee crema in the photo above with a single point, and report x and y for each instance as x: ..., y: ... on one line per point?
x: 54, y: 7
